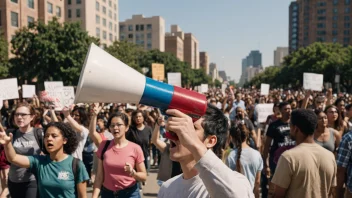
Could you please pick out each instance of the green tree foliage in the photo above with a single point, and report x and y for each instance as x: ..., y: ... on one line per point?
x: 324, y: 58
x: 3, y: 56
x: 50, y: 52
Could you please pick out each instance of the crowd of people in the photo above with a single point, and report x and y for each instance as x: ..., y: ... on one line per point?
x: 304, y: 149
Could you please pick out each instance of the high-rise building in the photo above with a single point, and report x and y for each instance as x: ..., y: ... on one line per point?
x: 293, y: 26
x: 15, y: 14
x: 204, y: 61
x: 99, y: 18
x: 191, y: 50
x: 244, y: 65
x: 212, y: 66
x: 254, y: 58
x: 279, y: 55
x: 222, y: 74
x: 320, y: 21
x: 149, y: 33
x: 174, y: 42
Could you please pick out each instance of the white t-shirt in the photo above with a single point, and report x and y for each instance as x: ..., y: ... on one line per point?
x: 82, y: 138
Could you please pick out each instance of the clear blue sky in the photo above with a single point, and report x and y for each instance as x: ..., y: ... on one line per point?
x: 227, y: 29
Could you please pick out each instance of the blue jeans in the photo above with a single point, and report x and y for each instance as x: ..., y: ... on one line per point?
x: 131, y: 192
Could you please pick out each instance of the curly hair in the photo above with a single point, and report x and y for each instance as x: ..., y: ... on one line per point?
x: 68, y: 133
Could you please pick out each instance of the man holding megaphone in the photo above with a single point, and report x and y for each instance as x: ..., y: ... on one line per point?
x: 106, y: 79
x: 204, y: 174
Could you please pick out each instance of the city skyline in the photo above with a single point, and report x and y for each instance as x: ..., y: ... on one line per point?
x: 229, y: 34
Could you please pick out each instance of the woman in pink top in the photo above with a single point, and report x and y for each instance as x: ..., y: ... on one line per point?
x: 116, y: 176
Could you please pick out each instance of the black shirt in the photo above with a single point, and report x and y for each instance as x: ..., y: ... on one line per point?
x: 141, y: 137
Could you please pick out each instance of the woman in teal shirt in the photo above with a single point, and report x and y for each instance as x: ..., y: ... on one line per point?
x: 56, y: 172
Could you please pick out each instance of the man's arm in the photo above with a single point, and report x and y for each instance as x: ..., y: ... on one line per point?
x: 342, y: 160
x: 279, y: 192
x: 282, y: 177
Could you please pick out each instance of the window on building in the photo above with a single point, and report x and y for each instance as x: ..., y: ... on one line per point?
x: 334, y: 25
x: 130, y: 36
x: 347, y: 25
x: 347, y: 18
x: 149, y: 46
x: 14, y: 19
x: 130, y: 28
x: 122, y: 28
x: 78, y: 1
x: 30, y: 20
x: 322, y: 11
x: 334, y: 32
x: 14, y: 1
x: 321, y: 18
x: 115, y: 7
x: 97, y: 6
x: 58, y: 11
x: 104, y: 22
x: 69, y: 13
x: 30, y: 3
x: 323, y: 32
x: 334, y: 40
x: 122, y: 37
x: 115, y: 17
x: 347, y: 10
x: 97, y: 32
x: 321, y: 25
x: 149, y: 27
x: 137, y: 28
x: 346, y: 39
x: 149, y: 35
x: 321, y: 4
x: 110, y: 37
x: 78, y: 13
x: 335, y: 10
x: 347, y: 2
x: 141, y: 27
x: 50, y: 7
x: 115, y: 28
x: 104, y: 9
x: 346, y: 32
x: 110, y: 4
x: 335, y: 18
x: 110, y: 14
x: 97, y: 19
x: 104, y: 35
x: 69, y: 2
x: 110, y: 26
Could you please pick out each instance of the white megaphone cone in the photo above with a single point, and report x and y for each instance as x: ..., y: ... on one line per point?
x: 106, y: 79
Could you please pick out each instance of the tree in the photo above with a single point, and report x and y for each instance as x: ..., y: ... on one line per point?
x: 50, y: 52
x: 3, y: 56
x: 127, y: 52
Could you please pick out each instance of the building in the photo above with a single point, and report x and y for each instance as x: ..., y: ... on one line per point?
x: 254, y: 58
x: 191, y: 50
x: 251, y: 72
x: 279, y: 55
x: 16, y: 14
x: 204, y: 61
x: 293, y: 27
x: 174, y: 42
x: 244, y: 65
x: 222, y: 74
x: 99, y: 18
x: 212, y: 66
x: 320, y: 21
x: 146, y: 32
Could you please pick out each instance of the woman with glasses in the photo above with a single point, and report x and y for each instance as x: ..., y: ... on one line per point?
x: 121, y: 163
x: 335, y: 120
x: 21, y: 182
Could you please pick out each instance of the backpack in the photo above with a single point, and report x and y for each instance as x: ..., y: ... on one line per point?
x: 104, y: 149
x: 38, y: 135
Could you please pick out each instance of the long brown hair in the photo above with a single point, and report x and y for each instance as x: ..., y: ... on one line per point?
x: 239, y: 134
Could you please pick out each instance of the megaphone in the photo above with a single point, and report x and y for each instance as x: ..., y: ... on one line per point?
x: 106, y: 79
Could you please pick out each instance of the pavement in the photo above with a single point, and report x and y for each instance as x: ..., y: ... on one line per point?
x: 150, y: 190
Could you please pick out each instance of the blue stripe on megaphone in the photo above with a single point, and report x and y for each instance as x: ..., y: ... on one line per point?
x: 157, y: 94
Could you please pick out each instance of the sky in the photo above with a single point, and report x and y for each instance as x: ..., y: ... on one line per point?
x: 227, y: 29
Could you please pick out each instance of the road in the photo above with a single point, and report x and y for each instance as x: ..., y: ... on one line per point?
x: 150, y: 190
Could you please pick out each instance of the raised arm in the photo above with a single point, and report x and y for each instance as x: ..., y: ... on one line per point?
x: 161, y: 145
x: 93, y: 134
x: 72, y: 122
x: 12, y: 157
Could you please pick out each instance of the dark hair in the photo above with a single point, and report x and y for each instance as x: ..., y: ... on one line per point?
x: 348, y: 107
x: 123, y: 117
x: 338, y: 124
x: 283, y: 104
x: 305, y: 120
x: 83, y: 116
x: 276, y: 105
x: 215, y: 123
x: 68, y: 133
x: 339, y: 100
x: 239, y: 134
x: 134, y: 115
x: 102, y: 117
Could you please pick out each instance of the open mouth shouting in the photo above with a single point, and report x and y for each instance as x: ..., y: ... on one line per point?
x: 49, y: 145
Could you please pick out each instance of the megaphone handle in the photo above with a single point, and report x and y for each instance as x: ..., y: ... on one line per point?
x: 168, y: 135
